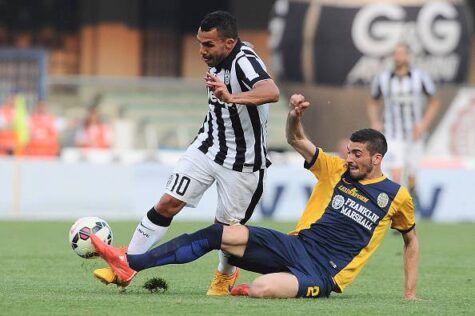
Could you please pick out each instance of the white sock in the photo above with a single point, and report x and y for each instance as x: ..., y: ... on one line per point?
x: 145, y: 236
x: 224, y: 266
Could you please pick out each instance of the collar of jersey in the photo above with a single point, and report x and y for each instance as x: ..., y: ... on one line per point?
x: 227, y: 62
x: 371, y: 181
x: 409, y: 73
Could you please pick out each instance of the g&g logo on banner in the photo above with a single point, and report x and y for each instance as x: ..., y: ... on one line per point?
x: 378, y: 28
x: 350, y: 41
x: 432, y: 37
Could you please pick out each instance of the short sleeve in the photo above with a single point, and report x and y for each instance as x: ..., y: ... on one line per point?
x: 403, y: 219
x: 323, y: 165
x: 376, y: 88
x: 250, y: 70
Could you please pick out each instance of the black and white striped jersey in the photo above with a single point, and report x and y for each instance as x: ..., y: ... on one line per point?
x: 405, y: 99
x: 234, y: 135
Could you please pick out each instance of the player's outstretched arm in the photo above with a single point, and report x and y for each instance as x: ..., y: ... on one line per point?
x: 411, y: 259
x: 264, y: 91
x: 294, y: 130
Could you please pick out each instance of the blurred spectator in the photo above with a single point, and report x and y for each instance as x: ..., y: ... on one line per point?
x: 13, y: 125
x: 123, y: 130
x: 403, y: 105
x: 93, y: 133
x: 7, y: 130
x: 44, y: 128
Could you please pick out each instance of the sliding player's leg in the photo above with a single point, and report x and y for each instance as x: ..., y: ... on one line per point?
x: 272, y: 285
x: 289, y: 270
x: 182, y: 249
x: 185, y: 187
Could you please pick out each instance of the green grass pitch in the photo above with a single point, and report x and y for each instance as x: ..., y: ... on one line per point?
x: 40, y: 275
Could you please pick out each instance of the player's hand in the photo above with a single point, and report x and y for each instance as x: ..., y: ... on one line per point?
x: 218, y: 87
x: 298, y: 105
x: 417, y: 131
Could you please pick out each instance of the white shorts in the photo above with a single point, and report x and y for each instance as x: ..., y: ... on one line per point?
x: 403, y: 155
x: 238, y: 192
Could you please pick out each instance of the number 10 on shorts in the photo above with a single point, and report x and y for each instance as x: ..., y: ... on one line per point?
x: 178, y: 183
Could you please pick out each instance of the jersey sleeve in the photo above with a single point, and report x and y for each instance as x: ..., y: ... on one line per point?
x: 376, y: 88
x: 250, y: 70
x: 428, y: 85
x: 324, y: 165
x: 403, y: 219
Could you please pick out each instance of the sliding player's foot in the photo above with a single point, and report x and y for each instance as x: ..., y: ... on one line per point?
x: 117, y: 259
x: 240, y: 290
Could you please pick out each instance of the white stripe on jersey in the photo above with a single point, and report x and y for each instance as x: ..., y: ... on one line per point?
x: 404, y: 99
x: 234, y: 135
x: 247, y: 69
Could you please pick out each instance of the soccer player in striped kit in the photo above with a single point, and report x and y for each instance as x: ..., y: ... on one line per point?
x: 409, y: 108
x: 230, y: 147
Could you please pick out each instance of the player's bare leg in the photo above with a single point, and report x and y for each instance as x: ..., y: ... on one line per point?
x: 411, y: 180
x: 274, y: 285
x: 406, y: 178
x: 155, y: 224
x: 235, y: 239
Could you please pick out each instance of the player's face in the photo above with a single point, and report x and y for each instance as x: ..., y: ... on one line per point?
x: 213, y: 49
x: 401, y: 56
x: 359, y: 160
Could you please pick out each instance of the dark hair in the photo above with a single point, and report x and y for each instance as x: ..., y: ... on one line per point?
x: 224, y: 23
x: 376, y: 142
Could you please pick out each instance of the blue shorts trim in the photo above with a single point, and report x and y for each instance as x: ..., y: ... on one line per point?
x: 270, y: 251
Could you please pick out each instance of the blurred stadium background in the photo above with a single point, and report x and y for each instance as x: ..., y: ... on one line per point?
x: 136, y: 63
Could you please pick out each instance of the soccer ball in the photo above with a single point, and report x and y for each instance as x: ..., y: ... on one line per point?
x: 80, y: 232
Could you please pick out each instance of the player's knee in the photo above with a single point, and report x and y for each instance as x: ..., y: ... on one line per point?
x: 234, y: 240
x: 169, y: 206
x: 260, y: 290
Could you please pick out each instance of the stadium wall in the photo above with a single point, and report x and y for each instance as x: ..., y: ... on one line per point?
x: 38, y: 189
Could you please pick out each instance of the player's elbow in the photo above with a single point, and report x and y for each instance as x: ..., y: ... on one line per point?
x: 294, y: 141
x: 274, y: 94
x: 291, y: 141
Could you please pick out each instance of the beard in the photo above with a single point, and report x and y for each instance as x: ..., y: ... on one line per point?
x: 363, y: 172
x: 215, y: 59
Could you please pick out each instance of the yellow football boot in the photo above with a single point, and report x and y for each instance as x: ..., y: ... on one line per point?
x: 106, y: 275
x: 222, y: 283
